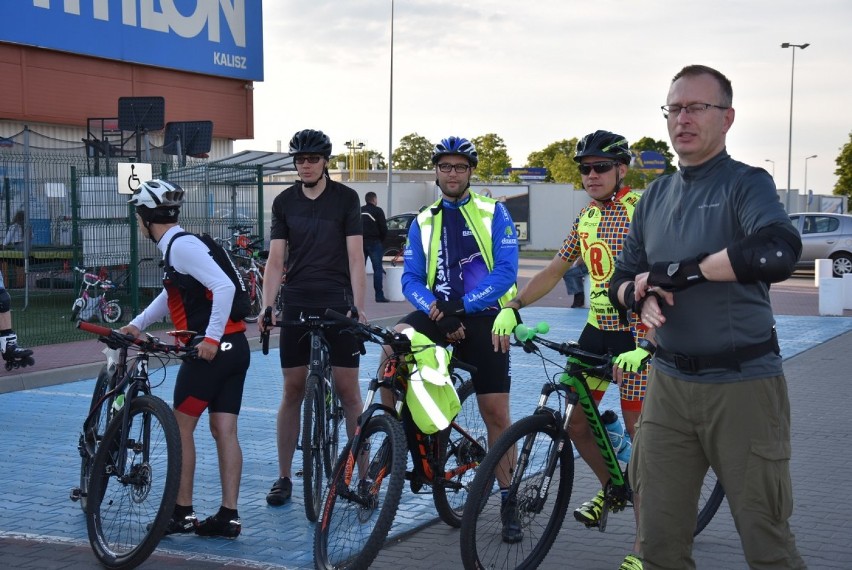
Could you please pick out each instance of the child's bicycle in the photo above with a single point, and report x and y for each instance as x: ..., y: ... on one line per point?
x: 90, y: 303
x: 543, y: 478
x: 130, y: 452
x: 367, y: 481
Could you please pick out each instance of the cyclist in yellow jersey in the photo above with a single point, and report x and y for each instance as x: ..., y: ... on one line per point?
x: 597, y: 236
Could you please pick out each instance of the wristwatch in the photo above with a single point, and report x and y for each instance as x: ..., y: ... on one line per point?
x: 646, y: 345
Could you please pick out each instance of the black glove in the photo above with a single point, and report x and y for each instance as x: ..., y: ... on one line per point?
x: 450, y: 307
x: 677, y: 275
x: 449, y: 325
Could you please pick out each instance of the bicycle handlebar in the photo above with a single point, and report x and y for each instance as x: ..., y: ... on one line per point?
x: 115, y: 339
x: 529, y: 336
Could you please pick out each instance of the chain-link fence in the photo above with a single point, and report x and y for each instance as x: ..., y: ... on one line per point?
x: 62, y: 218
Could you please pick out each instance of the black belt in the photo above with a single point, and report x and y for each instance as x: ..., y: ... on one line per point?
x: 728, y: 360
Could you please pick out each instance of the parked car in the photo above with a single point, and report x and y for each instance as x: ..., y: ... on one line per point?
x: 397, y: 233
x: 825, y: 236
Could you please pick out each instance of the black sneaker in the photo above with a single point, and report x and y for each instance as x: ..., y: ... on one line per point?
x: 382, y: 300
x: 214, y: 526
x: 280, y: 493
x: 512, y: 532
x: 185, y: 525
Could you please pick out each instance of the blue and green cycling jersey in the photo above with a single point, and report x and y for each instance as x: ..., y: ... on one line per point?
x: 466, y: 250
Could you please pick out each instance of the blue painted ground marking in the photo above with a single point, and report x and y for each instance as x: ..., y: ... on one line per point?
x: 39, y: 462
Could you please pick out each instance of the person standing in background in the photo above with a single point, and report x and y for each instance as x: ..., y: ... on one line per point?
x: 375, y: 229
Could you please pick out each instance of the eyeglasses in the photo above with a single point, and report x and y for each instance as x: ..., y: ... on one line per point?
x: 303, y: 159
x: 599, y: 167
x: 673, y: 111
x: 460, y: 168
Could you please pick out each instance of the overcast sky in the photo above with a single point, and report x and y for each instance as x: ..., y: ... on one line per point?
x: 539, y: 71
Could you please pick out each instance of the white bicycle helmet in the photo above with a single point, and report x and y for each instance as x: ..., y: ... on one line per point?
x: 157, y: 194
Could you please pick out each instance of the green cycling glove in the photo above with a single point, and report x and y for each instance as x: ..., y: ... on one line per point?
x: 633, y: 361
x: 506, y: 321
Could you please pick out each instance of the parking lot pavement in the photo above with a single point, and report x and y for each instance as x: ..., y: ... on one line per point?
x: 39, y: 463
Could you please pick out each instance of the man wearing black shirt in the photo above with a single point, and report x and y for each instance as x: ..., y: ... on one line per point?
x: 375, y: 230
x: 317, y: 223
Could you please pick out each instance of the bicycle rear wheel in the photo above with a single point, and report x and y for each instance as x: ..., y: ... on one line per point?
x: 129, y: 508
x: 359, y: 510
x: 710, y: 500
x: 93, y: 430
x: 539, y: 502
x: 313, y: 444
x: 256, y: 303
x: 461, y: 458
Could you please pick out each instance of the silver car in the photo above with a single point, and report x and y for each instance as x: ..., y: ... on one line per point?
x: 825, y: 236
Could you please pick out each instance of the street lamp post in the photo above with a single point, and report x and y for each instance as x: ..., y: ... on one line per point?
x: 790, y: 137
x: 390, y: 122
x: 773, y: 166
x: 807, y: 202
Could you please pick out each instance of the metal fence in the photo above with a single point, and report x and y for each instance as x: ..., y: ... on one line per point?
x: 71, y: 215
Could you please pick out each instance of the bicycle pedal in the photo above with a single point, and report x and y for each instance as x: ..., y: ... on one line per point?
x: 299, y: 473
x: 76, y: 494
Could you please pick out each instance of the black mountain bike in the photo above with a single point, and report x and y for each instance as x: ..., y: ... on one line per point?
x: 367, y: 481
x: 131, y: 453
x: 543, y: 478
x: 322, y: 411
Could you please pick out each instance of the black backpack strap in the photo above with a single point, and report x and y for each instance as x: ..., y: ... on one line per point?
x: 169, y: 248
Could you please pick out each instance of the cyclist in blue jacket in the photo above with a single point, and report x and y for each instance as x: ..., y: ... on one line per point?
x: 460, y: 268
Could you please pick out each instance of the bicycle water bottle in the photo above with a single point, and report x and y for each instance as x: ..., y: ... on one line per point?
x: 118, y: 402
x: 617, y: 435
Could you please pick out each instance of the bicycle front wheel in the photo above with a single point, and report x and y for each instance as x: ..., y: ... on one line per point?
x: 134, y: 483
x: 465, y: 449
x: 256, y: 307
x: 362, y: 497
x: 710, y: 500
x: 111, y: 312
x: 313, y: 443
x: 93, y: 429
x: 539, y: 489
x: 334, y: 416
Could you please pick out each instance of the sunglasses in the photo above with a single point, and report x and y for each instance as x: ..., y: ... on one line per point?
x: 598, y: 167
x: 303, y: 159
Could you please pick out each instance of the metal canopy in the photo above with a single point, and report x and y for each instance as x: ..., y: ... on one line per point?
x: 272, y: 162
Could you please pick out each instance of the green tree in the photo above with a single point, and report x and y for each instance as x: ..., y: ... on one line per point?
x: 843, y: 187
x: 558, y: 159
x: 638, y: 178
x: 413, y: 153
x: 493, y: 157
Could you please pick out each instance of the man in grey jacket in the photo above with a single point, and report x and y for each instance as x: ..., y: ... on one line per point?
x: 704, y: 245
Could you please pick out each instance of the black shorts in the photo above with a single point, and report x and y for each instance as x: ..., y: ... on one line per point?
x: 215, y: 385
x: 593, y: 339
x: 493, y: 369
x: 294, y: 346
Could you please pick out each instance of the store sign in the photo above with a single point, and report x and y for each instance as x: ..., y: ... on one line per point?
x: 214, y: 37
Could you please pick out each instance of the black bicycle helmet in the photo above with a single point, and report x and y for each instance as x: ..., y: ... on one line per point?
x: 310, y: 141
x: 605, y: 145
x: 455, y: 146
x: 156, y: 194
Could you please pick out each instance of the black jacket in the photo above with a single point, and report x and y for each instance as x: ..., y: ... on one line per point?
x: 374, y: 223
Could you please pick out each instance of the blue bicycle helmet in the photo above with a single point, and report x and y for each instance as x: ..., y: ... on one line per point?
x: 455, y: 146
x: 605, y: 145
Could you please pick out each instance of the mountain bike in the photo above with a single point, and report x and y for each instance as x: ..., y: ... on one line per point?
x: 130, y: 452
x: 88, y: 304
x: 322, y: 411
x: 395, y: 253
x: 359, y: 508
x: 543, y: 478
x: 253, y: 277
